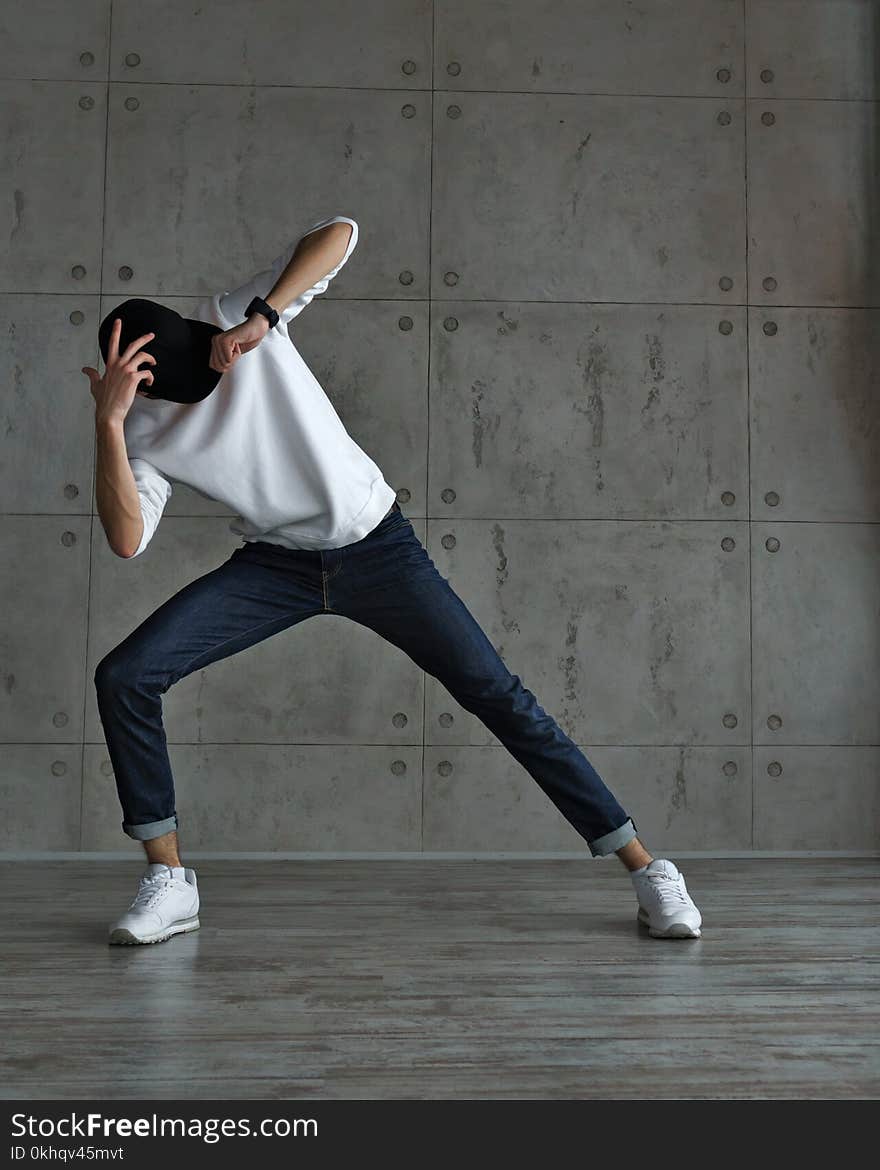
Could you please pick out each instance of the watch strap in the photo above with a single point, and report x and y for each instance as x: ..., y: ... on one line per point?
x: 258, y: 305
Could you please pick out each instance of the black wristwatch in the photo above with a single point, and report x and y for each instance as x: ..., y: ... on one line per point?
x: 258, y: 305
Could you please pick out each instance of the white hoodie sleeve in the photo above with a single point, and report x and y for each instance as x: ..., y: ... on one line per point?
x: 235, y: 302
x: 154, y: 491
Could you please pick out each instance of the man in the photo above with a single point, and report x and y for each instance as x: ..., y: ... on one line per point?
x: 223, y: 402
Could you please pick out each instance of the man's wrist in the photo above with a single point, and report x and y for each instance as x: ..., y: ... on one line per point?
x: 259, y: 306
x: 260, y: 319
x: 110, y: 423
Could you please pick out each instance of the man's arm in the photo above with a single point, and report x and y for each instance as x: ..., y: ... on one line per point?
x: 316, y: 254
x: 116, y: 493
x: 131, y: 493
x: 299, y: 274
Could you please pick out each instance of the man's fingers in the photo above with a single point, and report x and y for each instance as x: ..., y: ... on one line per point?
x: 113, y: 343
x: 230, y: 352
x: 225, y: 352
x: 132, y: 349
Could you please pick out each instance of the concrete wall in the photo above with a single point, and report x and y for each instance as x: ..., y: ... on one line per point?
x: 611, y: 332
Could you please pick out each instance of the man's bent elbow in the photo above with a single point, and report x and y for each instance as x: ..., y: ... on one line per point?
x: 128, y: 550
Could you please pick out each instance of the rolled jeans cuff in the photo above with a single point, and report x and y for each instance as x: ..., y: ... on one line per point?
x: 614, y: 840
x: 153, y: 829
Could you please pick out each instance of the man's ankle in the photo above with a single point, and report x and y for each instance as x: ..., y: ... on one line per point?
x: 164, y: 859
x: 163, y: 850
x: 634, y: 855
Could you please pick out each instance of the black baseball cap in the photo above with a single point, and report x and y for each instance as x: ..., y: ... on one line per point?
x: 181, y: 347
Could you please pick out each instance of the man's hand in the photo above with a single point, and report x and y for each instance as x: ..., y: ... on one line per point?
x: 114, y: 393
x: 227, y: 348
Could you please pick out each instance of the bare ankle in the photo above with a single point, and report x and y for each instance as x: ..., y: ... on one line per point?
x: 634, y: 855
x: 163, y: 849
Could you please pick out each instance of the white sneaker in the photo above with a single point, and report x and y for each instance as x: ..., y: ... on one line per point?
x: 665, y: 906
x: 167, y: 903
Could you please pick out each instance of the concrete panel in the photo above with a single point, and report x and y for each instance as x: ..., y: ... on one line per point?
x: 185, y: 225
x: 817, y: 799
x: 277, y: 42
x: 284, y: 798
x: 557, y: 197
x: 815, y: 602
x: 44, y: 582
x: 480, y: 798
x: 619, y: 411
x: 52, y: 135
x: 813, y: 48
x: 655, y: 47
x: 627, y: 633
x: 306, y: 684
x: 40, y: 788
x: 815, y: 414
x: 371, y: 357
x: 47, y: 437
x: 814, y: 173
x: 55, y: 40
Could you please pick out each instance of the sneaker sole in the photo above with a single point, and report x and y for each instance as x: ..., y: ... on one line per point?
x: 126, y: 938
x: 673, y: 930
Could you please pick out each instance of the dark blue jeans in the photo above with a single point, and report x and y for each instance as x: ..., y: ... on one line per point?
x: 386, y: 581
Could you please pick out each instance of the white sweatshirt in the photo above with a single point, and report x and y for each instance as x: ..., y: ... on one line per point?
x: 266, y: 442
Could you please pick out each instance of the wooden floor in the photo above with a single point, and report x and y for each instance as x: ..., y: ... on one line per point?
x: 431, y: 979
